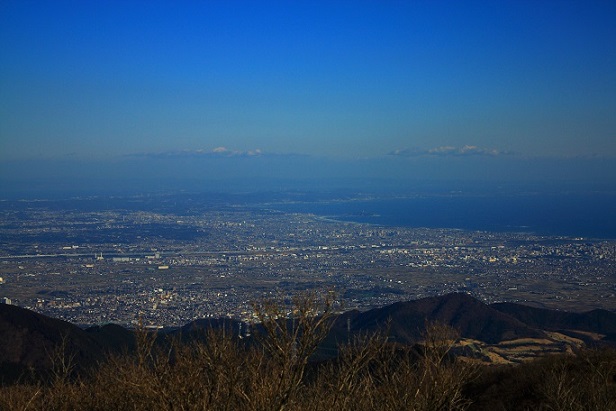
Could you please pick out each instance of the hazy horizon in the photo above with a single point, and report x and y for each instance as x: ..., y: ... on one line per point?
x: 388, y: 86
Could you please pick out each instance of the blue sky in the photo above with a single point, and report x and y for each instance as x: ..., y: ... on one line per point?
x: 352, y: 80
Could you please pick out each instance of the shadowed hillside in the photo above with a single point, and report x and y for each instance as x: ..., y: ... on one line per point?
x: 405, y: 321
x: 274, y: 370
x: 30, y: 341
x: 596, y: 321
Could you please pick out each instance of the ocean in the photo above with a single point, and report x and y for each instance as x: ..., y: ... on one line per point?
x: 573, y: 215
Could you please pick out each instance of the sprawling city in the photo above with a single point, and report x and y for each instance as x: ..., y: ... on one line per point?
x: 169, y: 260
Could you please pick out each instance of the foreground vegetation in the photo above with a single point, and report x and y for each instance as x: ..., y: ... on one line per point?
x: 278, y: 370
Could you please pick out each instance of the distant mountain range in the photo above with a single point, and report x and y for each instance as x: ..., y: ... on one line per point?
x: 30, y: 341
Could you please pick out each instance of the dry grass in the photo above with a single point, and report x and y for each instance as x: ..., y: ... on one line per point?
x: 274, y: 372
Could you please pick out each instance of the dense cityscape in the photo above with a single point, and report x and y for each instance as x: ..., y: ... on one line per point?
x: 168, y: 265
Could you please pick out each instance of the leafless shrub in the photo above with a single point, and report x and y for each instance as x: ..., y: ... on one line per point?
x: 441, y: 378
x: 583, y: 382
x: 20, y: 397
x: 371, y: 373
x: 288, y: 342
x: 219, y: 371
x: 349, y: 381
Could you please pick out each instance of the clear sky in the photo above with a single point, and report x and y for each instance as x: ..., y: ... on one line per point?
x: 334, y: 79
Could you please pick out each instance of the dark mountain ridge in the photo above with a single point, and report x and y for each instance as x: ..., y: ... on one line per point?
x: 596, y: 321
x: 29, y: 341
x: 406, y: 321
